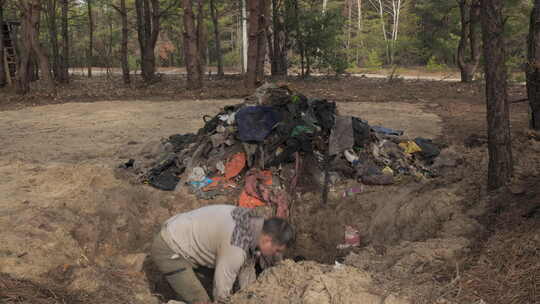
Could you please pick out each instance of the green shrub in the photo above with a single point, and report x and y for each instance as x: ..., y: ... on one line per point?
x: 434, y: 66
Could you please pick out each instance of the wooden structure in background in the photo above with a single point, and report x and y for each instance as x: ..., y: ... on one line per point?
x: 10, y: 51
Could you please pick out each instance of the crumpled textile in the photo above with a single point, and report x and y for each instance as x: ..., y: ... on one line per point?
x: 197, y: 174
x: 164, y: 175
x: 233, y: 167
x: 252, y: 201
x: 410, y: 147
x: 429, y: 149
x: 386, y: 131
x: 255, y: 123
x: 361, y: 131
x: 342, y: 135
x: 325, y: 112
x: 258, y: 190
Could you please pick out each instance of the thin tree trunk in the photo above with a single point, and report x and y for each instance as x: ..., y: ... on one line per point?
x: 278, y: 38
x: 498, y: 114
x: 244, y: 37
x: 23, y: 81
x: 191, y: 52
x: 359, y: 4
x: 3, y: 72
x: 64, y: 63
x: 125, y: 38
x: 202, y: 40
x: 469, y: 40
x: 148, y: 27
x: 349, y: 27
x: 257, y: 42
x: 298, y: 37
x: 385, y: 36
x: 533, y: 68
x: 53, y: 36
x: 217, y: 38
x: 90, y: 56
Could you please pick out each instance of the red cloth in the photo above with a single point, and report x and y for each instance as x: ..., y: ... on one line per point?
x: 258, y: 191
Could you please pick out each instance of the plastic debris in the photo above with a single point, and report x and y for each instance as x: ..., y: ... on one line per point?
x: 352, y: 238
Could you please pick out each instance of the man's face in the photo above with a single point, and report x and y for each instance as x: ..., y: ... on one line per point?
x: 268, y: 247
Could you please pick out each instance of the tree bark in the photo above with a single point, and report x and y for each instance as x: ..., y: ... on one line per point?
x: 202, y: 38
x: 53, y: 36
x: 148, y: 27
x: 533, y: 68
x: 91, y: 38
x: 191, y: 47
x: 3, y: 75
x: 499, y: 140
x: 278, y: 38
x: 64, y: 62
x: 299, y: 37
x: 125, y: 38
x: 469, y: 39
x: 217, y: 38
x: 31, y: 11
x: 258, y: 16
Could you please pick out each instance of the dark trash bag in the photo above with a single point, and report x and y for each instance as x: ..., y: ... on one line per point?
x: 324, y: 112
x: 361, y: 132
x: 164, y: 175
x: 182, y: 141
x: 255, y: 123
x: 429, y: 149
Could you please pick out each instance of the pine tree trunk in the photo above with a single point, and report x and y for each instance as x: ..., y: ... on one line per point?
x: 148, y: 27
x: 533, y: 68
x: 91, y: 38
x: 125, y: 38
x: 53, y: 36
x: 498, y: 116
x: 64, y: 63
x: 278, y: 38
x: 194, y: 78
x: 258, y: 13
x: 468, y: 55
x: 31, y: 14
x: 3, y: 75
x: 202, y: 38
x: 43, y: 59
x: 217, y: 38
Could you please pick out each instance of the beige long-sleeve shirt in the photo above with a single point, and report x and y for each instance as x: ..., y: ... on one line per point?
x: 216, y: 236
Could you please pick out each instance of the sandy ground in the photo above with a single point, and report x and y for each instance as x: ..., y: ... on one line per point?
x: 93, y: 132
x: 68, y: 222
x: 61, y: 204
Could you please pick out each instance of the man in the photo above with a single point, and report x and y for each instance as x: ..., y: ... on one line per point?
x: 223, y: 237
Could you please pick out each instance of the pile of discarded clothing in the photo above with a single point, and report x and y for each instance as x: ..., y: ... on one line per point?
x: 278, y: 143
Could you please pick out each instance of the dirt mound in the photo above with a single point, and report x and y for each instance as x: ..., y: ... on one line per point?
x: 81, y: 218
x: 505, y: 266
x: 310, y: 283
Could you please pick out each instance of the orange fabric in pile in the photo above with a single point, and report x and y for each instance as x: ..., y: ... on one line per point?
x: 249, y: 201
x: 234, y: 166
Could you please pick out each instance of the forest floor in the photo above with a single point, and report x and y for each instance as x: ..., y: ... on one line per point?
x: 74, y: 230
